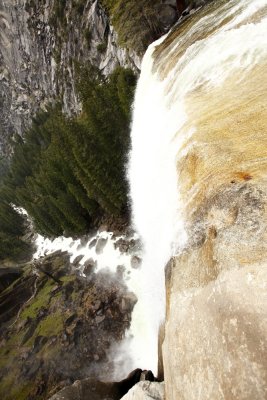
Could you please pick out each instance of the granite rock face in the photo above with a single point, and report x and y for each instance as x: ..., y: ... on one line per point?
x: 216, y: 330
x: 92, y: 389
x: 146, y: 391
x: 127, y: 389
x: 38, y: 51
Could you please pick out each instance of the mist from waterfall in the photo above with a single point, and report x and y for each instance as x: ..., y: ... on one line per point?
x: 229, y: 38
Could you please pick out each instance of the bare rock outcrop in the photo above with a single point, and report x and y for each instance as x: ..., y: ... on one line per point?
x: 216, y: 331
x: 40, y: 42
x: 93, y: 389
x: 56, y: 327
x: 129, y: 388
x: 146, y: 391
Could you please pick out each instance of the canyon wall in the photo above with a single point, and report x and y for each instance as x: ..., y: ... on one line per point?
x: 216, y: 329
x: 40, y: 44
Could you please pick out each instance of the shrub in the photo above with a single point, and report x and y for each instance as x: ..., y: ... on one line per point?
x: 136, y: 22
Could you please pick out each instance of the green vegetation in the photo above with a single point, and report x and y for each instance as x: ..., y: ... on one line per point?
x: 136, y: 22
x: 12, y: 228
x: 58, y: 14
x: 88, y: 36
x: 68, y: 173
x: 43, y: 298
x: 79, y: 6
x: 7, y: 386
x: 41, y: 301
x: 12, y: 224
x: 102, y: 47
x: 59, y: 9
x: 52, y: 325
x: 20, y: 393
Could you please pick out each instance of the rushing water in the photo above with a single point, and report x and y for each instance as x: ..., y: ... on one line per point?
x: 108, y: 257
x: 222, y: 42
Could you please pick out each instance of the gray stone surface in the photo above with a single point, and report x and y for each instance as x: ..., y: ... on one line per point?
x: 36, y: 57
x: 92, y: 389
x: 146, y: 391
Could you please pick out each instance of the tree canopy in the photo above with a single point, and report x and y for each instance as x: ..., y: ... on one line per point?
x: 68, y: 172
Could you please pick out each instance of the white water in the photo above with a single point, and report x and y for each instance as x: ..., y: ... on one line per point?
x: 110, y: 258
x: 158, y: 133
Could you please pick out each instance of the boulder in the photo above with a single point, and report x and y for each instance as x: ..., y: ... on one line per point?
x: 120, y: 271
x: 101, y: 243
x: 146, y: 391
x: 89, y: 266
x: 77, y: 260
x: 136, y: 262
x: 92, y: 243
x: 92, y: 389
x: 147, y: 375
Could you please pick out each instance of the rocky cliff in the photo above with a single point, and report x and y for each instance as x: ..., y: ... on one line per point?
x: 216, y: 333
x: 57, y: 327
x: 198, y: 174
x: 40, y: 42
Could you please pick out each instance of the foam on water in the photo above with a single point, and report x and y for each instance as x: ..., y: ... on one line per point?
x: 160, y: 129
x: 109, y: 257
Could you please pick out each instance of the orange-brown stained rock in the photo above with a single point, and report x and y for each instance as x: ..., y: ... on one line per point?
x: 216, y: 332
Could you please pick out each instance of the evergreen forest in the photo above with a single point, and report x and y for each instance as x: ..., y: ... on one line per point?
x: 68, y: 173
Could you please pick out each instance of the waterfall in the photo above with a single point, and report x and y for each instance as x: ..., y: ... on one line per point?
x: 224, y: 42
x: 222, y: 46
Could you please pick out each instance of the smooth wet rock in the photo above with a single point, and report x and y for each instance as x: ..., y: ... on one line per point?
x: 83, y: 241
x: 77, y: 260
x: 101, y: 243
x: 92, y: 243
x: 215, y: 342
x: 120, y: 270
x: 89, y: 266
x: 122, y: 245
x: 136, y: 262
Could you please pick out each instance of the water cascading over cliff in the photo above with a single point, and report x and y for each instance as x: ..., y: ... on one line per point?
x: 198, y: 185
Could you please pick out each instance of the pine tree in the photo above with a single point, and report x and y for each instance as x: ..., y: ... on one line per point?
x: 67, y: 173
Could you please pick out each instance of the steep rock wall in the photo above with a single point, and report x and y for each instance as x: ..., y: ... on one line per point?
x: 216, y: 329
x: 38, y: 50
